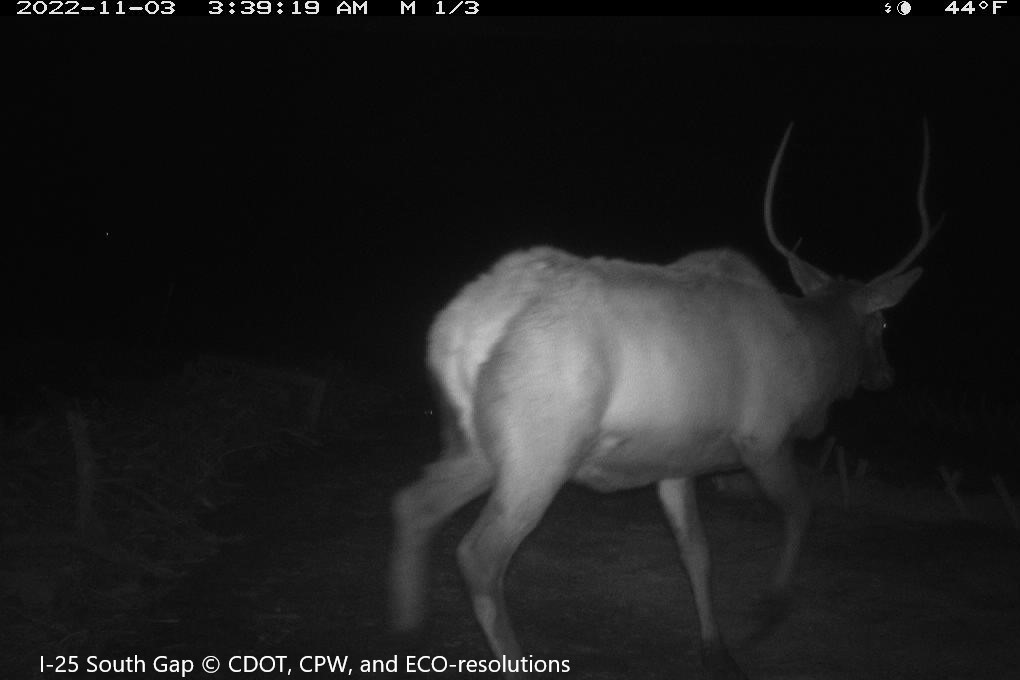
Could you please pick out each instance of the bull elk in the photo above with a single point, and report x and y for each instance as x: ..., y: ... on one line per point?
x: 552, y: 368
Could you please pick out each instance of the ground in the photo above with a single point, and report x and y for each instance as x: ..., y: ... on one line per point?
x: 599, y: 583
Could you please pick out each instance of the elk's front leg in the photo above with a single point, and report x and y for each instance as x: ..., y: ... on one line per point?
x: 681, y: 507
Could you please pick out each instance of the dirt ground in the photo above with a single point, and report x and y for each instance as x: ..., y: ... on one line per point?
x: 599, y: 583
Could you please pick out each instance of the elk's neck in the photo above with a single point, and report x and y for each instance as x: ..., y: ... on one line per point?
x: 834, y: 345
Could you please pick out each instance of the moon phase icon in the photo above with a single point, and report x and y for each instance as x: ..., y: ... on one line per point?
x: 903, y: 7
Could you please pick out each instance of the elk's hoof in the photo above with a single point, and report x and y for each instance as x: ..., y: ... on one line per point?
x: 409, y: 640
x: 719, y: 665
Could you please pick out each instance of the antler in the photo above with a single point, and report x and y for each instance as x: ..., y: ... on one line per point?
x: 808, y: 277
x: 926, y: 229
x: 769, y: 190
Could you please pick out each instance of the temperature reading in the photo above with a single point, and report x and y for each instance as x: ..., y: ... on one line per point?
x: 971, y: 7
x: 968, y: 7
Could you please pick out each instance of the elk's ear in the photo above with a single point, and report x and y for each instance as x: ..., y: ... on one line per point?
x: 808, y: 277
x: 884, y: 293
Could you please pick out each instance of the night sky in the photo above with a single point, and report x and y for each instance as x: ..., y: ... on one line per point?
x: 323, y: 187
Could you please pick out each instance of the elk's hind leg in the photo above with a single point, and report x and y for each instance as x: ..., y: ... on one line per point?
x: 515, y: 507
x: 536, y: 437
x: 418, y: 510
x: 681, y: 506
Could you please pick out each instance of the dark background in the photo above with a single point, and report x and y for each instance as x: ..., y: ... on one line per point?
x: 320, y: 187
x: 289, y: 199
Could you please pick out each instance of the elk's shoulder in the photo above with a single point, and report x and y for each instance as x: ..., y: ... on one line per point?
x: 722, y: 263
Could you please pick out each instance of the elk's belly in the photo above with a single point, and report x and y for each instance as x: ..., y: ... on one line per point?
x: 675, y: 410
x: 623, y: 460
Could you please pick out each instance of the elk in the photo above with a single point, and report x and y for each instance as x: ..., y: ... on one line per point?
x: 553, y: 368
